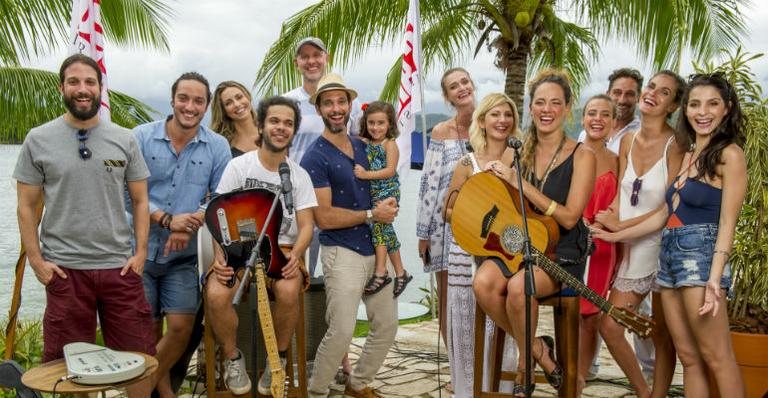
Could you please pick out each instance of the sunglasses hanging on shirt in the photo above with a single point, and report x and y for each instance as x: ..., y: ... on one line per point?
x: 82, y: 136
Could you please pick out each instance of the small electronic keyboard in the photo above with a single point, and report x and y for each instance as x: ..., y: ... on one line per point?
x: 94, y: 364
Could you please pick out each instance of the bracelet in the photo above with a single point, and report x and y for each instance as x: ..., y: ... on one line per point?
x: 551, y: 208
x: 727, y: 254
x: 165, y: 220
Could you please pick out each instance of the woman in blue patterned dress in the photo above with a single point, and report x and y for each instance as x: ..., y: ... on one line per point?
x: 378, y: 128
x: 448, y: 144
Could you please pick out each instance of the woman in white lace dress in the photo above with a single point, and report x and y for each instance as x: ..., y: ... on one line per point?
x: 448, y: 144
x: 494, y: 120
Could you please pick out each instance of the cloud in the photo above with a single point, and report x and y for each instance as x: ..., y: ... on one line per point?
x: 226, y: 40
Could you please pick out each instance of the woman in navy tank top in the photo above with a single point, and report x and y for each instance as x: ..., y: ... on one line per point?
x: 699, y: 222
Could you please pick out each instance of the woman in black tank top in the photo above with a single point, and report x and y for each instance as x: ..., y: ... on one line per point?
x: 559, y: 176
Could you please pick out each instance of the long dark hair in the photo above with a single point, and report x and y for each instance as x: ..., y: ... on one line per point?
x: 728, y: 132
x: 385, y: 108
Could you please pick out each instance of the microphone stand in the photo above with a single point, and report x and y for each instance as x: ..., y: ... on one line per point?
x: 253, y: 259
x: 530, y: 284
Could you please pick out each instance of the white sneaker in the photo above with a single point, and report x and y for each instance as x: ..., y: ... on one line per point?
x: 235, y: 377
x: 265, y: 382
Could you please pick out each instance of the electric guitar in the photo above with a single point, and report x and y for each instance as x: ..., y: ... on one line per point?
x: 486, y: 222
x: 235, y: 220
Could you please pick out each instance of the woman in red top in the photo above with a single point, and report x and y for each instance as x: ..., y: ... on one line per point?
x: 599, y: 118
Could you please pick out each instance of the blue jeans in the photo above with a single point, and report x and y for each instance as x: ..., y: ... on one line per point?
x: 686, y: 257
x: 172, y: 287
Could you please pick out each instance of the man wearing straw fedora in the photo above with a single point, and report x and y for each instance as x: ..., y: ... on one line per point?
x: 344, y: 214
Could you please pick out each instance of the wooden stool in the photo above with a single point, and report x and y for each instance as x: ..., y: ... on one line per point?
x: 566, y: 313
x: 213, y: 386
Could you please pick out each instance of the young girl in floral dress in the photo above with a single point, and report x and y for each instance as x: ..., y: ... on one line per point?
x: 378, y: 128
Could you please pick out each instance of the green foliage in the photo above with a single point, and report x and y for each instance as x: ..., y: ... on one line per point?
x: 33, y: 28
x: 659, y: 30
x: 749, y: 258
x: 28, y: 350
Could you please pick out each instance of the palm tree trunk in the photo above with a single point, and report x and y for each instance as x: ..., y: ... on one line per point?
x: 517, y: 66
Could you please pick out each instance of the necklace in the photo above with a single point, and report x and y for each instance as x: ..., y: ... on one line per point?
x: 458, y: 131
x: 549, y: 168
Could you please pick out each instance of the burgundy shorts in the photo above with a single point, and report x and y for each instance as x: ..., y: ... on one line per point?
x: 73, y: 303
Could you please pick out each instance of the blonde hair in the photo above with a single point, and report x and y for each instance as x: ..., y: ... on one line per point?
x: 556, y: 76
x: 220, y: 122
x: 490, y: 101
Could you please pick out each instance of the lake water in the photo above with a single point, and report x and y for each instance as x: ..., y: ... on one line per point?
x: 33, y: 294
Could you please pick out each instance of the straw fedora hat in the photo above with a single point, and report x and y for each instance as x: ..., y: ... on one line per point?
x: 330, y: 82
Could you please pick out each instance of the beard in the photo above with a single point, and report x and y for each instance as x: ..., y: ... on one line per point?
x: 335, y: 129
x: 83, y: 114
x: 267, y: 144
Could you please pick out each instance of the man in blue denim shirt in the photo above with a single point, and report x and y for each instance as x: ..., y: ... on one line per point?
x: 186, y: 161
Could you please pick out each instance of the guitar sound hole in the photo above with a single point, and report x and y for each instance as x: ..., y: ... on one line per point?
x: 512, y: 239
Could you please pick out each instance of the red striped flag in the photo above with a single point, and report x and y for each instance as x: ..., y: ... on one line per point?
x: 409, y: 102
x: 87, y: 37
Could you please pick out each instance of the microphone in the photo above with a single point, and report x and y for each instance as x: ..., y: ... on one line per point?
x: 285, y: 181
x: 514, y: 143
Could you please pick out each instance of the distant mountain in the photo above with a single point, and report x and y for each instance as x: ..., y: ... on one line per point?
x: 432, y: 120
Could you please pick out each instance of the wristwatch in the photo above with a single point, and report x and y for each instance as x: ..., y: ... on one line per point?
x: 369, y: 217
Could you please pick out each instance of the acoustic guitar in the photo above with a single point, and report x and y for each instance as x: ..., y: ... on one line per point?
x: 486, y: 221
x: 235, y: 220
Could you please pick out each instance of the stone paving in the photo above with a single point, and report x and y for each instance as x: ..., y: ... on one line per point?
x: 412, y: 369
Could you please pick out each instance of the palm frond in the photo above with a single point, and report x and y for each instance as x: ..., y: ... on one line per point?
x: 660, y: 30
x: 446, y: 29
x: 566, y: 45
x: 137, y: 23
x: 31, y: 28
x: 30, y: 97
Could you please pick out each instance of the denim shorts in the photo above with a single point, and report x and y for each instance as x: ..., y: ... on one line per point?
x: 172, y: 287
x: 686, y: 257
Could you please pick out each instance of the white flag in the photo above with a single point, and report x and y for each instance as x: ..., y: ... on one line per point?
x: 409, y: 101
x: 87, y: 38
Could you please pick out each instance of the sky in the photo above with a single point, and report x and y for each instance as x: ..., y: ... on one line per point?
x: 227, y: 39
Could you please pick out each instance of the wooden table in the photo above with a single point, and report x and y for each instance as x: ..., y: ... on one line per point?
x: 45, y: 376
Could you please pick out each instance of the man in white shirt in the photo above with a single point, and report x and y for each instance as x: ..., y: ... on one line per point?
x: 624, y: 86
x: 277, y: 120
x: 311, y: 59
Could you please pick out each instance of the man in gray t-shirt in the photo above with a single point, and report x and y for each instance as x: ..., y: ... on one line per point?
x: 81, y: 166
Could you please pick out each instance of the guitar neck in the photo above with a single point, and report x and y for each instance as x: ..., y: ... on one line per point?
x: 561, y: 275
x: 268, y: 330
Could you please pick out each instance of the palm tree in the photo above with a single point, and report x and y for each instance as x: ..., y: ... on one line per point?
x: 524, y: 35
x: 32, y: 28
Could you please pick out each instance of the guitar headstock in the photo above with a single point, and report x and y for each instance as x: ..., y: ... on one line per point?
x: 637, y: 324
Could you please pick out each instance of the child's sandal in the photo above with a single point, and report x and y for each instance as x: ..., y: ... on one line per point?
x: 401, y: 282
x: 376, y: 283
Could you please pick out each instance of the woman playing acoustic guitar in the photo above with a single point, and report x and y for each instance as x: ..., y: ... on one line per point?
x: 559, y: 175
x: 495, y: 120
